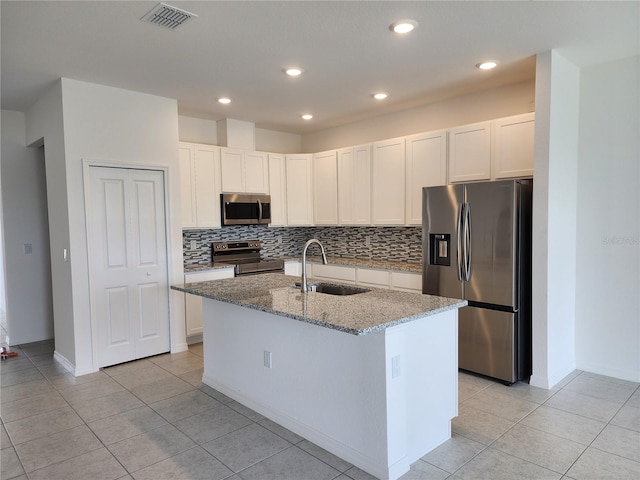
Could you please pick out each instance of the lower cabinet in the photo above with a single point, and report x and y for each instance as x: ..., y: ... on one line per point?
x: 366, y: 277
x: 193, y: 303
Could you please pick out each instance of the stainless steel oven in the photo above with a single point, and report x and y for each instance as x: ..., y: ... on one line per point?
x: 245, y: 256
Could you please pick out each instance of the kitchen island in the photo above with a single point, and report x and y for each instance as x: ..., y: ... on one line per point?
x: 370, y: 377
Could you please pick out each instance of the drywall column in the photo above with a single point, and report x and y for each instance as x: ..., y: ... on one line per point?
x: 26, y: 237
x: 554, y: 218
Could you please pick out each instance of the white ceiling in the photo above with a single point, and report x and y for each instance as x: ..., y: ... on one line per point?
x: 238, y: 49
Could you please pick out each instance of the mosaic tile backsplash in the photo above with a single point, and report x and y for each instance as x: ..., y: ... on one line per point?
x: 396, y: 244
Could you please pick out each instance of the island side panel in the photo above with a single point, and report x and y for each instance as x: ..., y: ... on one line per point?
x: 327, y: 386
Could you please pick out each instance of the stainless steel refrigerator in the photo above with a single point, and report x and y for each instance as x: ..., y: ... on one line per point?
x: 477, y: 246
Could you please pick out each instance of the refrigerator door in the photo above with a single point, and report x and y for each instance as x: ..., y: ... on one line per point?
x: 486, y: 342
x: 441, y: 222
x: 493, y: 220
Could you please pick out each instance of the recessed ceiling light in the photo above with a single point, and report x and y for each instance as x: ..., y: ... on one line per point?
x: 380, y: 96
x: 224, y: 100
x: 307, y: 116
x: 293, y: 71
x: 403, y: 26
x: 487, y: 65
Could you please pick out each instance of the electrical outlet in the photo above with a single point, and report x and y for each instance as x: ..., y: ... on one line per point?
x: 367, y: 240
x: 395, y: 366
x: 193, y: 245
x: 267, y: 359
x: 28, y: 248
x: 279, y: 239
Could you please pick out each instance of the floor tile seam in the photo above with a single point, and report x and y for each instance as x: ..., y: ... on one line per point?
x: 614, y: 454
x: 211, y: 439
x: 50, y: 434
x: 131, y: 472
x: 609, y: 400
x: 302, y: 450
x: 504, y: 418
x: 24, y: 471
x: 275, y: 433
x: 244, y: 468
x: 496, y: 447
x: 315, y: 456
x: 493, y: 441
x: 558, y: 436
x: 62, y: 461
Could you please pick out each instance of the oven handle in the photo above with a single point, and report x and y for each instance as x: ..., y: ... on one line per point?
x: 259, y: 211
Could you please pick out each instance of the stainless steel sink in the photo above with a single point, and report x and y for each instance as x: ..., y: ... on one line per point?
x: 333, y: 289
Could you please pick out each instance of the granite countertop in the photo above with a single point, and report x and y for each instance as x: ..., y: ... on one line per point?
x: 347, y: 261
x: 357, y: 314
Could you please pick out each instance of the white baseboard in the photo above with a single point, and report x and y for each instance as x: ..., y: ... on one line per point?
x: 66, y: 363
x: 181, y: 347
x: 194, y: 339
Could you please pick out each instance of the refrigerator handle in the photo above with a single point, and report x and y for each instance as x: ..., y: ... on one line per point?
x: 467, y: 242
x: 460, y: 253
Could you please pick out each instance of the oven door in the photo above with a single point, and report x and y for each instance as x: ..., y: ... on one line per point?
x: 243, y: 209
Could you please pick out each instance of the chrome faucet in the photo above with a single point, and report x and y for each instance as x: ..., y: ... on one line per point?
x: 303, y: 286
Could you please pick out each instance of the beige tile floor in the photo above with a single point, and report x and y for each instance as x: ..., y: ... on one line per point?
x: 154, y: 419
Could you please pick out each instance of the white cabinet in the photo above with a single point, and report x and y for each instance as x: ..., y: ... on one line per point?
x: 426, y: 167
x: 406, y: 281
x: 325, y: 188
x: 373, y: 278
x: 470, y: 153
x: 513, y: 146
x: 193, y: 303
x: 199, y: 185
x: 293, y: 268
x: 354, y: 185
x: 244, y: 171
x: 388, y: 182
x: 277, y: 190
x: 299, y: 189
x: 340, y: 273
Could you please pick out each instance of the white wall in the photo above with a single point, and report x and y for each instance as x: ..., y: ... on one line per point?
x: 198, y: 130
x: 554, y: 218
x: 477, y: 107
x: 608, y: 221
x: 29, y: 303
x: 116, y: 126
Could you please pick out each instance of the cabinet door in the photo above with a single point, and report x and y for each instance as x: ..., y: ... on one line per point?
x: 470, y: 153
x: 207, y: 189
x: 406, y: 281
x: 325, y: 188
x: 277, y: 190
x: 187, y: 190
x: 513, y: 146
x: 299, y: 190
x: 426, y: 167
x: 354, y: 185
x: 388, y: 182
x: 256, y: 172
x: 232, y: 170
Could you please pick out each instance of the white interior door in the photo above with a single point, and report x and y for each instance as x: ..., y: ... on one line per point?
x: 129, y: 264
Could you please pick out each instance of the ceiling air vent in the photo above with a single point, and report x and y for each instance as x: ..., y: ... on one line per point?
x: 167, y: 16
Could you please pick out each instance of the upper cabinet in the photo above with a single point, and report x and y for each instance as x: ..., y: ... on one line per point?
x: 426, y: 167
x: 199, y: 185
x: 354, y: 185
x: 513, y: 146
x: 470, y: 153
x: 388, y: 182
x: 277, y: 189
x: 244, y: 171
x: 325, y: 188
x: 299, y: 189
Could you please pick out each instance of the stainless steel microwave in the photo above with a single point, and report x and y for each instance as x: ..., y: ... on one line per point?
x: 245, y: 209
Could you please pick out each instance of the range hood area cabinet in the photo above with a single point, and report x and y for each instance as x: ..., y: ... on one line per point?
x: 199, y: 185
x: 244, y: 171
